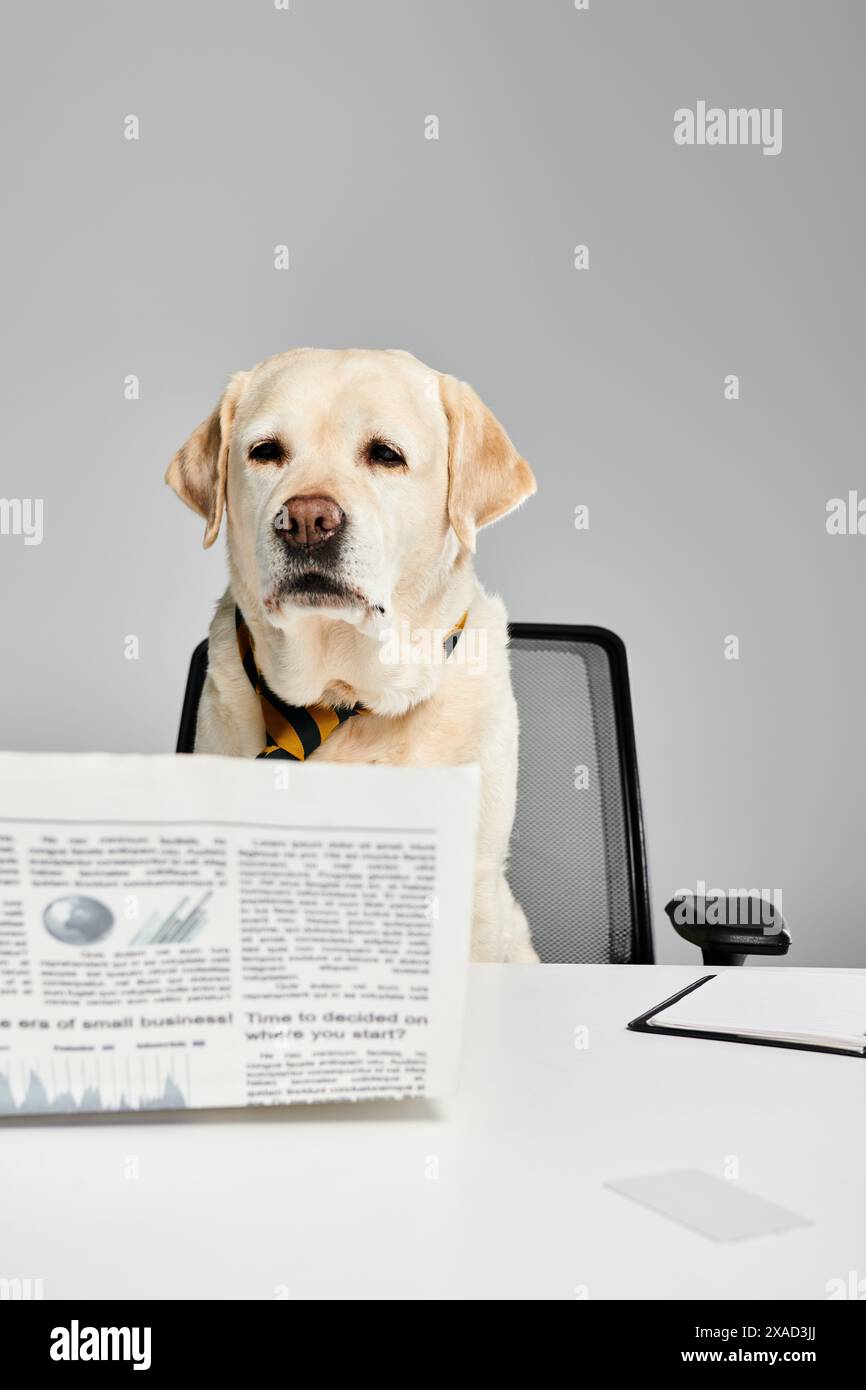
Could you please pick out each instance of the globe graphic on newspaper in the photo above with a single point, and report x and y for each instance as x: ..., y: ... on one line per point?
x: 78, y: 921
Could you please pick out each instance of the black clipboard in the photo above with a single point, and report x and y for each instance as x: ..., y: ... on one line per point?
x: 642, y: 1025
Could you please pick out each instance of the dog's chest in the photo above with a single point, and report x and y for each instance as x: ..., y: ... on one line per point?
x: 425, y: 735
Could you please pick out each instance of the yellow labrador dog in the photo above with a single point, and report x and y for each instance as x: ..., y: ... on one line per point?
x: 354, y: 483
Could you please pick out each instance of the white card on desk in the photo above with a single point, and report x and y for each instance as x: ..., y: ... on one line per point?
x: 715, y: 1207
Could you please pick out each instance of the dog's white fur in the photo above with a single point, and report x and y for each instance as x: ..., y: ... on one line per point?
x: 405, y: 562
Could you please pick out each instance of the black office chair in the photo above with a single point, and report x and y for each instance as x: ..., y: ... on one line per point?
x: 578, y: 862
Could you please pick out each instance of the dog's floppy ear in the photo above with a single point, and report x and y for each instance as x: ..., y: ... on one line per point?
x: 486, y: 475
x: 198, y: 470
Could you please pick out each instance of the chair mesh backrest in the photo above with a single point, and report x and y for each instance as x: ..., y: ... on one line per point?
x: 569, y: 866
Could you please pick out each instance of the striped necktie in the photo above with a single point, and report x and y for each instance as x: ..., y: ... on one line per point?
x: 296, y: 731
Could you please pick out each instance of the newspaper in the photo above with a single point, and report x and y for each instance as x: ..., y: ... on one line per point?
x: 198, y: 931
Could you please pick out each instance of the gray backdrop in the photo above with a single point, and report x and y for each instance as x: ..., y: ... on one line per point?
x: 307, y: 127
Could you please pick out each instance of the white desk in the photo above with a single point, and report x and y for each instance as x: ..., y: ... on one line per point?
x: 336, y: 1202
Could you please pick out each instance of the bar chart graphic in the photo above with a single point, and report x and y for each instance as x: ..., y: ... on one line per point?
x: 181, y: 925
x: 95, y: 1083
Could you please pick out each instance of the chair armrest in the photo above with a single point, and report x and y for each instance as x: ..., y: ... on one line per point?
x: 728, y: 927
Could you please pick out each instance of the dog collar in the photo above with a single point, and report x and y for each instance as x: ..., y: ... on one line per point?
x: 296, y: 731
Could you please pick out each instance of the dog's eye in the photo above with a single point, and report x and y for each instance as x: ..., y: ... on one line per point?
x: 380, y: 452
x: 267, y: 451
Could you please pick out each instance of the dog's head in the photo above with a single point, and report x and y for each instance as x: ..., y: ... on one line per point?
x: 351, y: 479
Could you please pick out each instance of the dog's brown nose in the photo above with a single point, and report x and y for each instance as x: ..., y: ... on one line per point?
x: 305, y: 522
